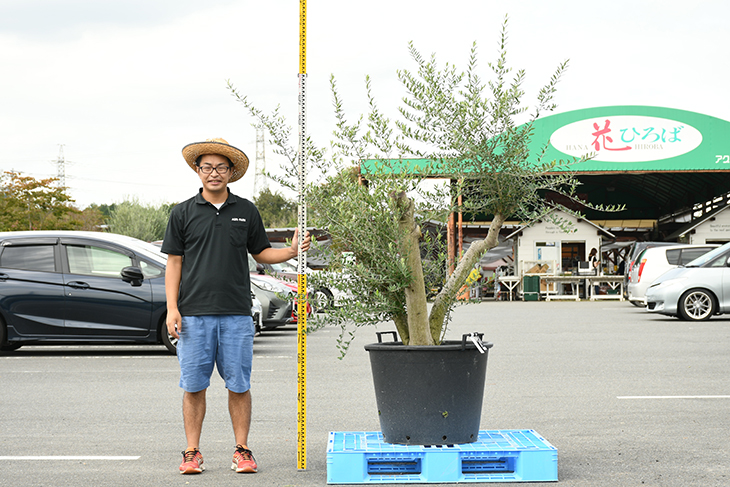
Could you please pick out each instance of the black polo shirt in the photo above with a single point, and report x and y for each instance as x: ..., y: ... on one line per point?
x: 215, y: 245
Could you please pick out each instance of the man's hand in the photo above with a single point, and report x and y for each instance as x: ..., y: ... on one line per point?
x: 271, y: 255
x: 173, y: 273
x: 305, y: 243
x: 174, y: 323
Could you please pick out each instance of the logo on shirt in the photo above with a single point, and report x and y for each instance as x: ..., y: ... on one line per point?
x: 238, y: 219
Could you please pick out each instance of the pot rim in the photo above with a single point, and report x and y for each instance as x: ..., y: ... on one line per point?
x: 446, y: 345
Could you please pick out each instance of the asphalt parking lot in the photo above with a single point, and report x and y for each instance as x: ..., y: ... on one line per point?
x: 628, y: 398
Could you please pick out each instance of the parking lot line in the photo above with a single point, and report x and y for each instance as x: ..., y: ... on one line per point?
x: 60, y: 457
x: 672, y: 397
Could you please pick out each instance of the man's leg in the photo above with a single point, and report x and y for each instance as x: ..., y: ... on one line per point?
x: 196, y: 353
x: 193, y: 416
x: 239, y: 406
x: 235, y: 357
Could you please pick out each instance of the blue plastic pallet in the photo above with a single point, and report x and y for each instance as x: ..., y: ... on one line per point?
x: 355, y: 457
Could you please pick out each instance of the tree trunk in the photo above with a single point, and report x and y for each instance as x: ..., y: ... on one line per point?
x: 401, y: 326
x: 418, y: 329
x: 457, y: 279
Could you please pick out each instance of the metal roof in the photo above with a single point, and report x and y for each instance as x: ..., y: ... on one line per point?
x: 656, y: 161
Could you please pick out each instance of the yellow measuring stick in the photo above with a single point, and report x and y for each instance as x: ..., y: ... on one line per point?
x: 302, y: 36
x: 302, y: 263
x: 302, y: 376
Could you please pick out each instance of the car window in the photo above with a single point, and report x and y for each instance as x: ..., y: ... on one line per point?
x: 673, y: 256
x: 96, y: 261
x: 688, y: 255
x: 150, y: 270
x: 252, y: 264
x: 29, y: 258
x: 718, y: 261
x: 709, y: 258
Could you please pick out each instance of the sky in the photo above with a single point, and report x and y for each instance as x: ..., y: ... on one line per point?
x: 121, y: 86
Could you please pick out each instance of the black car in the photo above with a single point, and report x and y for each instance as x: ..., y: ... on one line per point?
x: 61, y: 287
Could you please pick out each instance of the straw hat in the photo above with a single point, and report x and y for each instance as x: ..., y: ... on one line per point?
x: 217, y: 146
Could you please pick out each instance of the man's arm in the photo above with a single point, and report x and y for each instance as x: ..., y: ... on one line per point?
x: 173, y: 275
x: 274, y: 256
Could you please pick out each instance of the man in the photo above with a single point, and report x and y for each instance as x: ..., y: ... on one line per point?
x: 208, y: 290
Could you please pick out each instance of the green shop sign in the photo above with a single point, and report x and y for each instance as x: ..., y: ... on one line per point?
x: 617, y: 139
x: 635, y: 139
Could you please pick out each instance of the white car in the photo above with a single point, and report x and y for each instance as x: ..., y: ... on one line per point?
x: 655, y: 261
x: 695, y: 292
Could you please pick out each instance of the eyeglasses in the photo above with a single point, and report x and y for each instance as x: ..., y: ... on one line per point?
x: 222, y: 169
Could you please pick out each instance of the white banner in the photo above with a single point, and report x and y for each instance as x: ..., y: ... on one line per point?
x: 626, y: 138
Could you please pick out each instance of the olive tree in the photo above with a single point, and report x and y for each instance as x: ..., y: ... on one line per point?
x: 451, y: 123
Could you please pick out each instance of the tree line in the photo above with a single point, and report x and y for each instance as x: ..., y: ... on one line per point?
x: 27, y: 203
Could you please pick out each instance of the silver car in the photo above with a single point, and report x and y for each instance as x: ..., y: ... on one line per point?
x: 655, y: 261
x: 694, y: 292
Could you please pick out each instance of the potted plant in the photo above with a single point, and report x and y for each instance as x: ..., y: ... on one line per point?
x: 369, y: 194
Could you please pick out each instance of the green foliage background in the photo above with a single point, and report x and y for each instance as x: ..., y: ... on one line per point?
x: 27, y: 203
x: 276, y: 211
x: 145, y: 222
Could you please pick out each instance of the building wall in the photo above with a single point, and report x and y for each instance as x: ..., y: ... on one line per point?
x: 715, y: 230
x: 546, y: 231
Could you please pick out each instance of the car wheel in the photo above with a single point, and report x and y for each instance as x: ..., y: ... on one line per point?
x: 696, y: 305
x: 322, y: 299
x: 638, y: 304
x: 168, y: 340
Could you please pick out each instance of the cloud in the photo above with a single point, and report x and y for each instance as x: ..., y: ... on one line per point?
x: 125, y: 84
x: 68, y: 20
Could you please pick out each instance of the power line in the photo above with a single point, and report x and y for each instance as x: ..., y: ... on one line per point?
x: 131, y: 183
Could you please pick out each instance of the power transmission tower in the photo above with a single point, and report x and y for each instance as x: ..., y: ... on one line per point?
x: 260, y: 182
x: 61, y: 167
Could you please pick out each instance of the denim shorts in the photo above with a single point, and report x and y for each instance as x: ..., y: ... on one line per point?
x: 225, y: 341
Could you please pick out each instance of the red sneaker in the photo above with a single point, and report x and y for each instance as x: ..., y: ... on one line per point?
x: 192, y: 462
x: 243, y: 461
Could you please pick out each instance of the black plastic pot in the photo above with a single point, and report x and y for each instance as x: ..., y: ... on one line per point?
x: 429, y: 395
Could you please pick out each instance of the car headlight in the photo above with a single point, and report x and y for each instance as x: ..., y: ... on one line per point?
x: 668, y: 282
x: 266, y: 286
